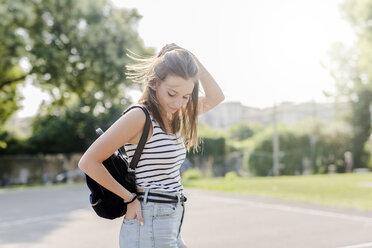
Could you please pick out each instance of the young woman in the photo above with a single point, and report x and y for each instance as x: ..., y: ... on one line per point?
x: 154, y: 216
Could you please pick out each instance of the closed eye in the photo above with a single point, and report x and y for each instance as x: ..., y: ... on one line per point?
x: 169, y: 94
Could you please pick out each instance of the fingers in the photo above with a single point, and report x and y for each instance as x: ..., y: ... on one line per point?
x: 140, y: 219
x: 168, y: 48
x: 139, y: 213
x: 172, y: 45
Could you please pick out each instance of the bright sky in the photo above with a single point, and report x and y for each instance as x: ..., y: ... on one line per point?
x: 259, y: 51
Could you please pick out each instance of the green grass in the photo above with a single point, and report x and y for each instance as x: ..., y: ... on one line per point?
x: 340, y: 190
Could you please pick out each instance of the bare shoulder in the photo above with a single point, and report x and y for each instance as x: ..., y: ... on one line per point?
x: 135, y: 113
x: 132, y: 122
x: 119, y: 133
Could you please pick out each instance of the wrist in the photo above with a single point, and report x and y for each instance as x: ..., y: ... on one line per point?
x: 131, y: 199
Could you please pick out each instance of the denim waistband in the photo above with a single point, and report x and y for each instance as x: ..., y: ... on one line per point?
x: 159, y: 191
x: 161, y: 196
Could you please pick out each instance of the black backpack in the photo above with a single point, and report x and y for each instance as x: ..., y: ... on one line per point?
x: 104, y: 202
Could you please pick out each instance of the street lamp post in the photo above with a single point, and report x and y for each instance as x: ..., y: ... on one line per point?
x: 275, y: 145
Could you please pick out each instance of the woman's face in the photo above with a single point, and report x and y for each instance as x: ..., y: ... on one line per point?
x: 173, y: 93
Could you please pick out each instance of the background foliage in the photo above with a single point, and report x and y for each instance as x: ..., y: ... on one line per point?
x: 75, y: 51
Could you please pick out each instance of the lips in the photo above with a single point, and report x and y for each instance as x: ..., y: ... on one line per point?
x: 173, y: 109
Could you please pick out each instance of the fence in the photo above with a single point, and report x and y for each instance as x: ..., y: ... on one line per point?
x: 35, y: 169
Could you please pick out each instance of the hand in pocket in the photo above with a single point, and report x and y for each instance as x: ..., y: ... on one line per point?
x: 133, y: 211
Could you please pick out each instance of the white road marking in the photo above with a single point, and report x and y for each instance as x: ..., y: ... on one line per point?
x: 359, y: 245
x: 295, y: 209
x: 25, y: 221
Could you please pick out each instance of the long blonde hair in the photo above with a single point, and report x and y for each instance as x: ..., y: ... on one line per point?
x: 177, y: 62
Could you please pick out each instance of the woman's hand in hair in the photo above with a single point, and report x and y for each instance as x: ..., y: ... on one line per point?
x: 168, y: 48
x: 173, y: 46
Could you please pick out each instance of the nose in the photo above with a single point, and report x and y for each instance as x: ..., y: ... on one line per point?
x: 177, y: 103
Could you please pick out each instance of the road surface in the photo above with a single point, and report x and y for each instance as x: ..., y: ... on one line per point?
x: 60, y: 216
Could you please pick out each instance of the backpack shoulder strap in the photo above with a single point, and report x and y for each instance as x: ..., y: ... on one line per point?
x: 142, y: 142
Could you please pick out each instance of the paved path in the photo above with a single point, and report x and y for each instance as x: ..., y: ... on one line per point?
x: 61, y: 217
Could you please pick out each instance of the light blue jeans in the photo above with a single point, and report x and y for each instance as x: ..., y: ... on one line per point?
x: 161, y: 228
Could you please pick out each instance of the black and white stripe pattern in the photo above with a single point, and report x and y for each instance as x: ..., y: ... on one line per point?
x: 160, y: 162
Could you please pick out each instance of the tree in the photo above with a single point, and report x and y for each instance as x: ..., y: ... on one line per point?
x: 15, y: 16
x: 72, y: 132
x: 351, y: 68
x: 293, y: 148
x: 332, y: 142
x: 76, y: 51
x: 79, y: 49
x: 241, y: 131
x: 361, y: 128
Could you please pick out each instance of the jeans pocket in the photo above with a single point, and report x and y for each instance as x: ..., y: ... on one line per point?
x: 166, y: 210
x: 130, y: 221
x: 129, y: 233
x: 166, y: 225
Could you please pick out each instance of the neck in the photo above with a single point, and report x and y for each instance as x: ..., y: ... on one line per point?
x: 167, y: 122
x: 165, y: 116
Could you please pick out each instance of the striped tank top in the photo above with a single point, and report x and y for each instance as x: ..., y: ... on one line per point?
x: 160, y: 162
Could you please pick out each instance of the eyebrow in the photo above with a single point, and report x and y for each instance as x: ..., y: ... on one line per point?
x: 177, y: 92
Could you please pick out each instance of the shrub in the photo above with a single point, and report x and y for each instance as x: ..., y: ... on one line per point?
x: 192, y: 174
x: 232, y: 175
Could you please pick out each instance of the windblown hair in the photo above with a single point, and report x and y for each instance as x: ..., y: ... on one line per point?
x: 177, y: 62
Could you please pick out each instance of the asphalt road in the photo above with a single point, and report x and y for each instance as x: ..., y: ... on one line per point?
x: 60, y: 216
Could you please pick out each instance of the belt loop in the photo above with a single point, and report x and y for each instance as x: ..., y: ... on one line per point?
x: 178, y: 198
x: 145, y: 197
x: 183, y: 214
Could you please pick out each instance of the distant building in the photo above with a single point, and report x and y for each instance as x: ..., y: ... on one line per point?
x: 230, y: 113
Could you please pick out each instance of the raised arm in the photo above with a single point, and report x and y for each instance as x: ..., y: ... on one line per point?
x: 213, y: 93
